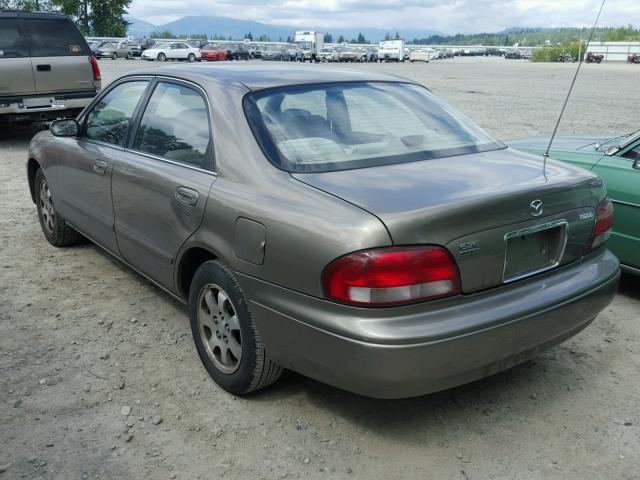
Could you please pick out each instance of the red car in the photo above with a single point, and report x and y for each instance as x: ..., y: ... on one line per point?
x: 212, y: 53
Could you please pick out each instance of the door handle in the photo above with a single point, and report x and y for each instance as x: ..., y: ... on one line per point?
x: 43, y: 68
x: 100, y: 167
x: 188, y: 196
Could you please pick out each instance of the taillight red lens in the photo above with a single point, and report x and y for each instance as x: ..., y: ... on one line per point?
x: 95, y: 67
x: 392, y: 276
x: 604, y: 223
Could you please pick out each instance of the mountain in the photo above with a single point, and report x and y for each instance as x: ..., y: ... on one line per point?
x: 139, y: 28
x: 226, y: 27
x: 237, y: 29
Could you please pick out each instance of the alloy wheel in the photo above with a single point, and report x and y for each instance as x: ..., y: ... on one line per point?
x: 219, y: 328
x: 46, y: 207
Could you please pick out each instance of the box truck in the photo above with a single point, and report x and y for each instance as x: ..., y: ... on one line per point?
x: 311, y: 43
x: 391, y: 51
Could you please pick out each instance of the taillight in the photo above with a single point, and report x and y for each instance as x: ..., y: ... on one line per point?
x: 95, y: 67
x: 604, y: 223
x: 392, y: 276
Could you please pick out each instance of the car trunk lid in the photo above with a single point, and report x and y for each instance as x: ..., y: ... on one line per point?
x: 59, y: 55
x: 478, y: 206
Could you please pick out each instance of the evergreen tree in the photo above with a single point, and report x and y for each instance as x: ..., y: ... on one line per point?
x: 328, y: 38
x: 107, y: 18
x: 96, y: 17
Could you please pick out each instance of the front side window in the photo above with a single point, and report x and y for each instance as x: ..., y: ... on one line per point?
x: 633, y: 153
x: 175, y: 126
x: 110, y: 118
x: 53, y: 37
x: 329, y: 127
x: 12, y: 44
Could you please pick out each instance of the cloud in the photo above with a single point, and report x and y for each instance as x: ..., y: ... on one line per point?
x: 449, y: 16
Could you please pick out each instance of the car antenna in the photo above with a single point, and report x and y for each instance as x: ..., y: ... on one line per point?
x: 566, y: 100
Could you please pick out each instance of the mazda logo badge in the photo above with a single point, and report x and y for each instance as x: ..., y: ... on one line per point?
x: 536, y: 208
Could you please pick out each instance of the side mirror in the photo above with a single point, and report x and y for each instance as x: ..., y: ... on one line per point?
x: 636, y: 162
x: 67, y: 127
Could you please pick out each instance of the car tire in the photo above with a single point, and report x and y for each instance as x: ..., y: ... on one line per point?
x: 221, y: 323
x: 162, y: 57
x: 191, y: 57
x: 55, y: 228
x: 114, y: 56
x: 129, y: 56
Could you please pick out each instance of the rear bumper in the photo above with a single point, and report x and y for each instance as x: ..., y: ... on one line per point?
x: 60, y: 105
x: 414, y: 350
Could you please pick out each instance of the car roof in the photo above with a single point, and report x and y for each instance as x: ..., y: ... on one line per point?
x: 28, y: 14
x: 257, y: 77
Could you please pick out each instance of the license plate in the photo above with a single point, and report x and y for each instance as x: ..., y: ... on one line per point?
x: 534, y: 250
x: 36, y: 102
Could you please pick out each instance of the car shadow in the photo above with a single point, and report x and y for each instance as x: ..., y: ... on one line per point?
x: 13, y: 135
x: 526, y: 390
x: 630, y: 285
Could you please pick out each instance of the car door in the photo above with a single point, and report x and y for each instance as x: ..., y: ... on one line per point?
x: 173, y: 50
x: 85, y: 170
x: 621, y: 175
x: 183, y: 51
x: 161, y: 182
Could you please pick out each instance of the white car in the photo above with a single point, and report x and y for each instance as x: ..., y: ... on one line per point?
x: 420, y: 56
x: 172, y: 51
x: 328, y: 55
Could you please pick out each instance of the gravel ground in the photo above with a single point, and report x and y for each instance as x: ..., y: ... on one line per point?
x: 99, y: 377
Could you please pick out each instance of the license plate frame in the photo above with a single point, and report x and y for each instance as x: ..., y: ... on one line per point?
x: 36, y: 102
x: 550, y: 239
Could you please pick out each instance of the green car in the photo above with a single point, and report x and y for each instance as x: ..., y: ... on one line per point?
x: 617, y: 161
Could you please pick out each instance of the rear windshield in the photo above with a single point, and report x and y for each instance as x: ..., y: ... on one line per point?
x: 339, y: 126
x: 12, y: 44
x: 53, y: 37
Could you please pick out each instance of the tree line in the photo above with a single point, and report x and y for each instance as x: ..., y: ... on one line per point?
x: 100, y: 18
x: 534, y: 37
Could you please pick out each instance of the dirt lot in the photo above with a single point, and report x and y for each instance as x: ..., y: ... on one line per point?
x: 83, y: 341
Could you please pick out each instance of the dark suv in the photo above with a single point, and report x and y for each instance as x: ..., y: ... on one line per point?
x: 237, y: 52
x: 47, y: 69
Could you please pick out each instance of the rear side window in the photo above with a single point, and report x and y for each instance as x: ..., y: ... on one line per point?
x: 53, y: 37
x: 12, y: 43
x: 175, y: 125
x: 109, y: 120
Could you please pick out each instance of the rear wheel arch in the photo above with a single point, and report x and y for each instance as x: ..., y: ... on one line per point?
x: 32, y: 168
x: 189, y: 263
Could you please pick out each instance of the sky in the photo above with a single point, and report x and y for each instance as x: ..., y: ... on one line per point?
x: 446, y: 16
